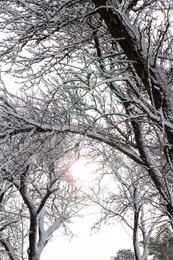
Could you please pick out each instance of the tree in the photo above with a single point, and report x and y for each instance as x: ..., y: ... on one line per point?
x: 161, y: 244
x: 38, y: 195
x: 130, y: 199
x: 110, y: 61
x: 124, y: 254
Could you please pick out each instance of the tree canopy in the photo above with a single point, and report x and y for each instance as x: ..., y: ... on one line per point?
x: 124, y: 254
x: 160, y: 246
x: 87, y: 71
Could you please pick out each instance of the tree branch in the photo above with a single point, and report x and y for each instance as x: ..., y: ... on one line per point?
x: 9, y: 249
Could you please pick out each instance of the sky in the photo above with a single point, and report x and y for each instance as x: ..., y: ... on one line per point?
x: 86, y: 244
x: 100, y: 245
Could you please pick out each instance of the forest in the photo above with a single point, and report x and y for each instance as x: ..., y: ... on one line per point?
x: 86, y: 81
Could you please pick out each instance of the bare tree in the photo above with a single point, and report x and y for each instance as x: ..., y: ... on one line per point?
x: 126, y: 195
x: 110, y: 61
x: 38, y: 194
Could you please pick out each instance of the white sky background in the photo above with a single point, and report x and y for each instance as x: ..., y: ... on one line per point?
x: 100, y: 245
x: 86, y: 244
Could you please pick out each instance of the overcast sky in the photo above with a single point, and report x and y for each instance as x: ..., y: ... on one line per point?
x: 100, y: 245
x: 87, y: 245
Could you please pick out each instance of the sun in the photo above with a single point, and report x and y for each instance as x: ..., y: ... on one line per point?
x: 81, y: 171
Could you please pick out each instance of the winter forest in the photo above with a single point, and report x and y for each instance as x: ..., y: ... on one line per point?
x: 86, y: 81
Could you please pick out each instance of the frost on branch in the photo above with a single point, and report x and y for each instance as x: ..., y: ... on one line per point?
x: 37, y: 196
x: 99, y: 68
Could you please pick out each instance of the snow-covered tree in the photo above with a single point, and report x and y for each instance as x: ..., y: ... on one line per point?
x: 106, y: 65
x: 125, y: 194
x: 38, y: 194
